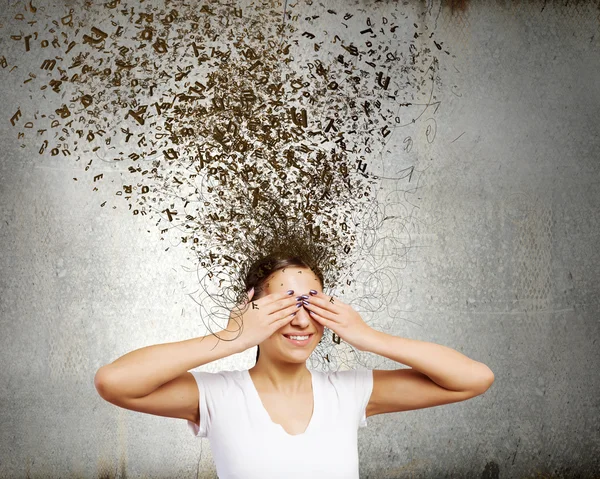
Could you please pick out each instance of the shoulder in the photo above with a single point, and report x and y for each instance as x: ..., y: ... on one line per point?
x: 348, y: 373
x: 350, y: 378
x: 224, y: 374
x: 217, y: 379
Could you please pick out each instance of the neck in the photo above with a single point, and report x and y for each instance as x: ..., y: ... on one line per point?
x: 282, y: 377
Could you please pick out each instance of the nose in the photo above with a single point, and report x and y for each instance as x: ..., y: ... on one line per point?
x: 301, y: 319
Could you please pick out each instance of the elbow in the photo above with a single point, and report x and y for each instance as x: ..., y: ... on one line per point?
x: 101, y: 383
x: 490, y: 376
x: 489, y: 383
x: 480, y: 381
x: 488, y: 380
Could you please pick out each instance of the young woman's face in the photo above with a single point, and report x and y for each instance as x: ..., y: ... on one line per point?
x: 301, y: 280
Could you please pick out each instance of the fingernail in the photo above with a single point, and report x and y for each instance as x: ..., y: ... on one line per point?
x: 298, y: 305
x: 304, y: 296
x: 313, y: 292
x: 304, y: 301
x: 290, y: 292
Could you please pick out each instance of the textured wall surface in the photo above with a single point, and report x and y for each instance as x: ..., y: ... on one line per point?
x: 494, y: 109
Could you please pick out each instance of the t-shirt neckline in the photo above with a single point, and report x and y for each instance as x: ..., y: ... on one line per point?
x: 266, y: 415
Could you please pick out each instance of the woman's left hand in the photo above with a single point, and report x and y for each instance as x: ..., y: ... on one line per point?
x: 341, y: 318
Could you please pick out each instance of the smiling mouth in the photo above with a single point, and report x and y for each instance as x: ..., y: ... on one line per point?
x: 298, y: 342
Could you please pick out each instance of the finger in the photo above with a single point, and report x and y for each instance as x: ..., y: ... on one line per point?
x: 320, y: 319
x: 323, y: 312
x: 289, y: 312
x: 328, y: 302
x: 250, y: 294
x: 274, y: 297
x: 283, y: 321
x: 285, y: 316
x: 285, y: 301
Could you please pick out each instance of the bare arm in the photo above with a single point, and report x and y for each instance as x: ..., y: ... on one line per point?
x: 140, y: 372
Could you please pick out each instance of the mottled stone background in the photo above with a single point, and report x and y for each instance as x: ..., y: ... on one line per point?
x: 442, y: 157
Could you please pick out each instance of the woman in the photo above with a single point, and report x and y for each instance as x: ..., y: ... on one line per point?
x: 280, y: 419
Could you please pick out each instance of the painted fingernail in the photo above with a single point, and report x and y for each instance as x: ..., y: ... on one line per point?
x: 298, y: 305
x: 294, y: 313
x: 299, y: 298
x: 304, y: 296
x: 290, y: 292
x: 313, y: 292
x: 304, y: 301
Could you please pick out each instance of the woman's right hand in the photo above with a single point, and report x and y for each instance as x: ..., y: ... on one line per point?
x: 259, y: 319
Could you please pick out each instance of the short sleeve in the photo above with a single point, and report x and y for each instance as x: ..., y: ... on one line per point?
x: 357, y: 385
x: 364, y: 388
x: 210, y: 389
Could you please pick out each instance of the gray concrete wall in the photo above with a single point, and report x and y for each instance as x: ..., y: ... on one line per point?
x: 500, y: 224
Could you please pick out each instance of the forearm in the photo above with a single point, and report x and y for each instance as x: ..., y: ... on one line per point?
x: 445, y: 366
x: 140, y: 372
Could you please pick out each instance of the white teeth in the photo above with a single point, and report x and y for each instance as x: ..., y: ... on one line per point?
x: 299, y: 338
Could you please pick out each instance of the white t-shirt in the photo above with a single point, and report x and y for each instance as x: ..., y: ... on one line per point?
x: 247, y: 444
